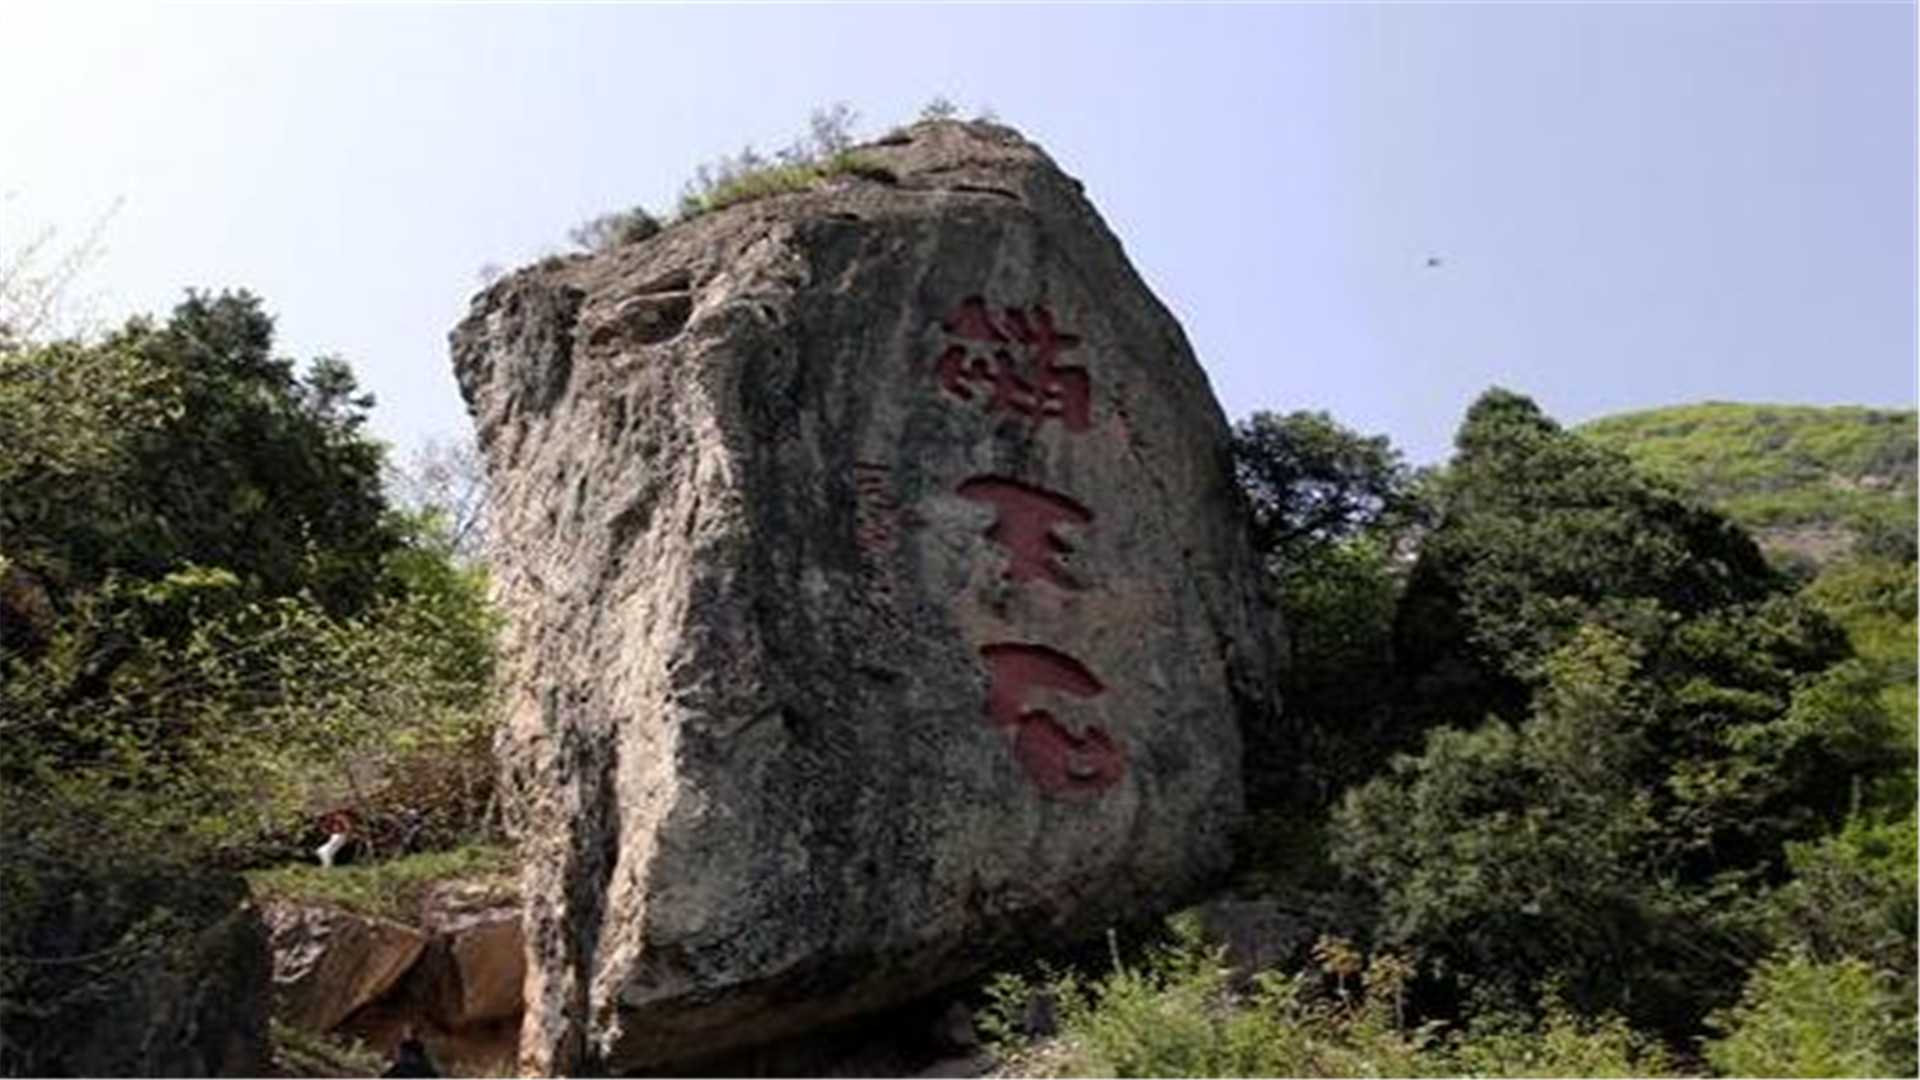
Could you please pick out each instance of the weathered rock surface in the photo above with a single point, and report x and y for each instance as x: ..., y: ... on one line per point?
x: 476, y: 963
x: 454, y: 978
x: 878, y: 600
x: 199, y: 1010
x: 327, y: 962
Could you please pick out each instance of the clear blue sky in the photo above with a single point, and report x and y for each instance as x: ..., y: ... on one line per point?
x: 1633, y: 204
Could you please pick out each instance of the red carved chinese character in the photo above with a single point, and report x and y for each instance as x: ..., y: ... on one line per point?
x: 1059, y: 759
x: 1061, y: 762
x: 971, y: 321
x: 1041, y: 388
x: 1024, y: 524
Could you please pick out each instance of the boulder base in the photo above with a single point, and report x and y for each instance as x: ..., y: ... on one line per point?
x: 880, y: 600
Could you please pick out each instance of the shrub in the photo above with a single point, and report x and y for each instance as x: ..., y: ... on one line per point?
x: 92, y: 911
x: 612, y: 230
x: 749, y: 177
x: 827, y: 150
x: 1800, y: 1017
x: 1559, y: 1043
x: 1174, y: 1014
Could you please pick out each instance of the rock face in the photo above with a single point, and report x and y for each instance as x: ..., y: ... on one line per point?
x: 879, y: 600
x: 199, y: 1010
x: 474, y: 969
x: 328, y: 963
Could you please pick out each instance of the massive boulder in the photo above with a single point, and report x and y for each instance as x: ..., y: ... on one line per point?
x: 879, y: 600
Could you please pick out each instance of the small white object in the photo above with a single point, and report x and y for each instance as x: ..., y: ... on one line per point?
x: 331, y: 848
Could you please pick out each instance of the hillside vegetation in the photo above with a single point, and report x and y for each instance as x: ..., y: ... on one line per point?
x: 1569, y: 780
x: 1810, y: 482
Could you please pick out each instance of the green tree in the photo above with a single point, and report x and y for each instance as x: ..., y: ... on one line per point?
x: 211, y: 624
x: 1332, y: 512
x: 191, y: 442
x: 1310, y: 482
x: 1629, y: 718
x: 1540, y: 532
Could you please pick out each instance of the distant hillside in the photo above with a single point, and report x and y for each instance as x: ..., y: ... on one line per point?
x: 1809, y: 481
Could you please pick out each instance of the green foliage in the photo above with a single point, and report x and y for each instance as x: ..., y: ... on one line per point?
x: 214, y: 626
x: 1177, y: 1013
x: 190, y: 442
x: 91, y: 910
x: 1509, y: 852
x: 1777, y: 468
x: 237, y: 726
x: 1310, y: 482
x: 1638, y: 718
x: 1331, y: 511
x: 1558, y: 1042
x: 1853, y: 899
x: 939, y: 107
x: 826, y: 151
x: 616, y: 229
x: 748, y: 177
x: 1801, y: 1017
x: 1873, y: 600
x: 391, y: 889
x: 1541, y: 532
x: 299, y: 1052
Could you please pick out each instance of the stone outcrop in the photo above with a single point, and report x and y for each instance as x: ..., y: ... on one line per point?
x: 473, y: 971
x: 453, y: 976
x: 879, y: 600
x: 327, y: 963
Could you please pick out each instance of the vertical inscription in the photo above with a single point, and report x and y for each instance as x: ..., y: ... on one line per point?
x: 1010, y: 361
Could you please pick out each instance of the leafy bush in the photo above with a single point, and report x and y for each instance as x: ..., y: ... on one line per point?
x: 299, y: 1052
x: 251, y: 717
x: 1175, y: 1013
x: 1800, y: 1017
x: 93, y: 911
x: 826, y: 151
x: 747, y: 177
x: 1558, y: 1042
x: 191, y: 443
x: 613, y: 230
x: 939, y: 107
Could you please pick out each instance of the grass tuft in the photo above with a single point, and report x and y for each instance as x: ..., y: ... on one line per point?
x: 391, y: 890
